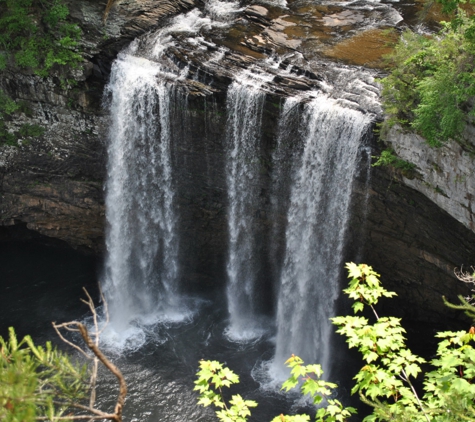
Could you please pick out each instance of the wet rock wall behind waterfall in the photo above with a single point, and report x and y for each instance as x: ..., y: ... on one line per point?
x: 54, y: 184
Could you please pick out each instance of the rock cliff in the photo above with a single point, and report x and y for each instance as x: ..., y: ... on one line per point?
x: 445, y: 174
x: 413, y: 231
x: 54, y: 183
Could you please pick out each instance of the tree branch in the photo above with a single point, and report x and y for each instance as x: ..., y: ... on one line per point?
x: 110, y: 366
x: 109, y: 5
x: 93, y: 345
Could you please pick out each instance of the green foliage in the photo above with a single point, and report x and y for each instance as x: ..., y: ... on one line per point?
x: 37, y: 381
x: 212, y: 377
x: 386, y: 380
x: 8, y: 108
x: 35, y: 34
x: 7, y: 105
x: 387, y: 158
x: 432, y: 80
x: 309, y: 378
x: 31, y: 130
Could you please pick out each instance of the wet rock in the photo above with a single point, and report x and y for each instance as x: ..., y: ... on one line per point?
x: 257, y: 12
x: 347, y: 17
x: 415, y: 246
x: 280, y: 39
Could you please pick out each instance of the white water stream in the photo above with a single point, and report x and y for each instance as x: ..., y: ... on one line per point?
x: 141, y: 269
x: 316, y: 223
x: 141, y: 272
x: 315, y: 166
x: 244, y: 104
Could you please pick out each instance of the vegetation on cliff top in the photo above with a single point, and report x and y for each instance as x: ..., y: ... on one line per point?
x: 431, y: 85
x: 36, y: 35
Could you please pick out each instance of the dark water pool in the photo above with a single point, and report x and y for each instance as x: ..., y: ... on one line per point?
x: 40, y: 284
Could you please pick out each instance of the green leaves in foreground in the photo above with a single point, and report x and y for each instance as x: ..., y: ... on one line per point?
x: 37, y: 381
x: 364, y: 286
x: 309, y: 379
x: 386, y: 380
x: 212, y: 377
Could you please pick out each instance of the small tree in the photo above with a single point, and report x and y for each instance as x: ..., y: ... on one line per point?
x: 42, y: 383
x: 386, y: 380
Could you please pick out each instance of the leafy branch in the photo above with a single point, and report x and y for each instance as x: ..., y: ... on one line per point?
x: 383, y: 343
x: 212, y: 377
x: 386, y: 380
x: 309, y: 378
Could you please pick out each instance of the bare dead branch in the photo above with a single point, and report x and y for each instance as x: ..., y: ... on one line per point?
x: 56, y: 328
x: 93, y: 382
x: 106, y: 310
x: 92, y: 342
x: 109, y: 416
x: 467, y: 278
x: 110, y: 366
x: 66, y: 326
x: 82, y: 407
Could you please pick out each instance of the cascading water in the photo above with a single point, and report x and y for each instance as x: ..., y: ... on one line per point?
x: 245, y: 100
x: 154, y: 174
x: 141, y: 270
x: 317, y: 219
x: 281, y: 175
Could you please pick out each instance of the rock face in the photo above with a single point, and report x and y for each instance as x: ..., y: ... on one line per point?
x: 414, y: 245
x: 445, y: 174
x: 54, y: 183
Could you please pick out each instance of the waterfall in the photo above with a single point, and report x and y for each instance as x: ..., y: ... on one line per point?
x: 316, y: 222
x: 244, y: 104
x: 141, y: 268
x: 286, y: 144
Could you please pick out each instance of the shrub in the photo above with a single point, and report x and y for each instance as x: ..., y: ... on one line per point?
x: 35, y: 34
x: 432, y: 81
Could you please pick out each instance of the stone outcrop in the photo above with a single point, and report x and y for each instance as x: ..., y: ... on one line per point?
x: 54, y: 183
x: 413, y: 244
x: 445, y: 175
